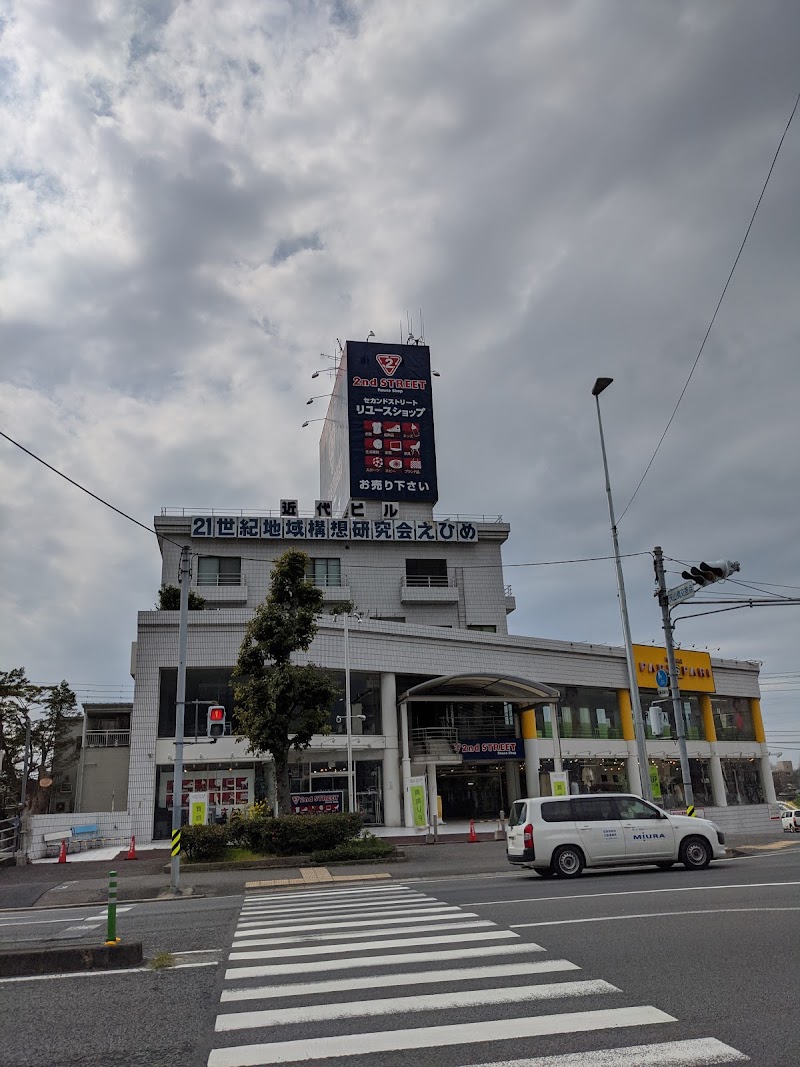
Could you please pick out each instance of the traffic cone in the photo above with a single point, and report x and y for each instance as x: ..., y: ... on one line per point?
x: 472, y: 835
x: 132, y: 850
x: 62, y: 852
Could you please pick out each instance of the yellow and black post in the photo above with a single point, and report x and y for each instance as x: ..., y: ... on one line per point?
x: 176, y: 845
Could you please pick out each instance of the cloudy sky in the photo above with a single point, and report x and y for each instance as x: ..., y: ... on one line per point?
x: 199, y: 196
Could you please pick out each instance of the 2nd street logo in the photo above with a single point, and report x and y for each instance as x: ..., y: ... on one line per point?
x: 388, y: 363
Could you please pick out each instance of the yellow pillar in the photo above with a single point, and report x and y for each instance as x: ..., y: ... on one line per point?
x: 527, y: 721
x: 708, y: 717
x: 758, y: 722
x: 626, y: 714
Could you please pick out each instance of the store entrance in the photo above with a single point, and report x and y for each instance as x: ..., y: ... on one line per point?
x: 472, y: 792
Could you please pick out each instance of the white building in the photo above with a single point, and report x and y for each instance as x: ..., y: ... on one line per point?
x: 438, y: 684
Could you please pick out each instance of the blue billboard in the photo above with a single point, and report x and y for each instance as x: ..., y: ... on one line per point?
x: 390, y: 422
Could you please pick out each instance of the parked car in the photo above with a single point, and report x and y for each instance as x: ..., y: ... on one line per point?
x: 560, y: 836
x: 790, y: 820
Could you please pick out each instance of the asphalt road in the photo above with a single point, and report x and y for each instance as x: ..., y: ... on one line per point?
x: 684, y: 964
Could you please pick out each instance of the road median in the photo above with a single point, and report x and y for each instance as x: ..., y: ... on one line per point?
x: 69, y: 959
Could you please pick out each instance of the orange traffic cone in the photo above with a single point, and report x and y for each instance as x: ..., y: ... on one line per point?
x: 132, y: 850
x: 472, y: 835
x: 62, y: 852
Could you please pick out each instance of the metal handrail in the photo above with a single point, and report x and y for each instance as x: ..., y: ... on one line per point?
x: 9, y: 829
x: 219, y: 579
x: 425, y: 740
x: 108, y: 738
x: 429, y: 581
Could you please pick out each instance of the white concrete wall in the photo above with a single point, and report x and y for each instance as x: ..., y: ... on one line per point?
x: 113, y: 826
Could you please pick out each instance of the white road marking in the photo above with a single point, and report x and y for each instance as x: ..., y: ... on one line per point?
x: 81, y: 929
x: 402, y: 942
x: 435, y: 1036
x: 309, y: 894
x: 697, y: 1052
x: 317, y: 1013
x: 43, y: 922
x: 376, y: 917
x: 388, y: 981
x: 647, y: 915
x: 103, y: 974
x: 397, y: 959
x: 627, y: 893
x: 333, y: 907
x: 247, y: 941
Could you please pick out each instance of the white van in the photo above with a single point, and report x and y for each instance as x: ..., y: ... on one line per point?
x: 562, y: 835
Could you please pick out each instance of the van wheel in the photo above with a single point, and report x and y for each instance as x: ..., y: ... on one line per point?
x: 568, y: 862
x: 544, y: 872
x: 695, y: 853
x: 665, y: 865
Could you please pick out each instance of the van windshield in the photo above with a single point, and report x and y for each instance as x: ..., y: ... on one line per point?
x: 517, y: 813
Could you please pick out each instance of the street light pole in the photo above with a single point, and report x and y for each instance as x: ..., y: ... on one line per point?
x: 636, y: 705
x: 348, y: 717
x: 184, y: 576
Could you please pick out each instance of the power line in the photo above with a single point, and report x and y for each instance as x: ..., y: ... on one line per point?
x: 88, y: 492
x: 716, y: 309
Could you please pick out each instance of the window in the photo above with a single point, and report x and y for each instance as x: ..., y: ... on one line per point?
x: 631, y: 808
x: 324, y: 572
x: 517, y: 815
x: 595, y: 809
x: 430, y: 573
x: 557, y: 811
x: 219, y: 570
x: 484, y: 628
x: 389, y: 618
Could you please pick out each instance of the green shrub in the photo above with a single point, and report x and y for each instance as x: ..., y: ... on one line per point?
x: 204, y: 844
x: 292, y: 835
x: 363, y: 848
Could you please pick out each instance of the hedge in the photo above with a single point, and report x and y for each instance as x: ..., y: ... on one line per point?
x: 369, y: 848
x: 287, y: 835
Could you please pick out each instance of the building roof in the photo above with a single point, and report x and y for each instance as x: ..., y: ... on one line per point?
x: 482, y: 689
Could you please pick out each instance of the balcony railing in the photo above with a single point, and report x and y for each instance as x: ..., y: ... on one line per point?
x: 219, y: 579
x: 327, y: 581
x: 429, y: 581
x: 274, y: 513
x: 108, y: 738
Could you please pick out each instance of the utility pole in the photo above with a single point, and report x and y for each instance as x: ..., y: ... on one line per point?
x: 680, y: 730
x: 184, y: 577
x: 348, y: 718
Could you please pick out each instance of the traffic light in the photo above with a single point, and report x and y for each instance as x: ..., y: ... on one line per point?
x: 216, y: 721
x: 715, y: 571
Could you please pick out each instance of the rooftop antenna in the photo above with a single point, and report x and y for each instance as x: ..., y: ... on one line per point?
x: 370, y: 334
x: 401, y: 331
x: 421, y: 327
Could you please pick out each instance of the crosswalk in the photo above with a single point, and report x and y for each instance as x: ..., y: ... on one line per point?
x: 336, y: 974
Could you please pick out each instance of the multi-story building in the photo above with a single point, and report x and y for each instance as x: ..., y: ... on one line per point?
x: 438, y: 686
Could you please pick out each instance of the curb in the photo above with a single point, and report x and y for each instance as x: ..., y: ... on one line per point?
x: 288, y: 863
x: 69, y: 959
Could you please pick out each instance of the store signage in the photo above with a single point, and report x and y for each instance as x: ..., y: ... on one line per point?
x: 559, y: 783
x: 349, y: 529
x: 390, y: 422
x: 419, y: 807
x: 694, y: 668
x: 198, y: 809
x: 224, y: 792
x: 490, y: 749
x: 655, y: 784
x: 331, y: 803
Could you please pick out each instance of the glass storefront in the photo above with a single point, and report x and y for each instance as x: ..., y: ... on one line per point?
x: 670, y: 782
x: 692, y: 718
x: 582, y: 712
x: 733, y: 719
x: 230, y: 786
x: 742, y: 781
x: 472, y: 791
x: 330, y: 775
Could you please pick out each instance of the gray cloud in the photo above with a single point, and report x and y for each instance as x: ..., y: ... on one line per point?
x: 562, y: 189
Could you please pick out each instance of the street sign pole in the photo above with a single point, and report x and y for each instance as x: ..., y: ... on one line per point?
x: 680, y: 731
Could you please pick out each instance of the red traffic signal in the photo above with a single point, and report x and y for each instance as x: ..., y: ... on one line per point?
x: 216, y: 721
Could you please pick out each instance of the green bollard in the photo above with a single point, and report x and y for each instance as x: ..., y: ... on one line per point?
x: 111, y: 928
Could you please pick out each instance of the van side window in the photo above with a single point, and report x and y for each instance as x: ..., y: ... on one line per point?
x: 632, y: 808
x: 557, y: 811
x: 595, y: 809
x: 517, y: 813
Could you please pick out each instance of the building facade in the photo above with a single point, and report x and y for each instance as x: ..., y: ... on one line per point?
x: 438, y: 686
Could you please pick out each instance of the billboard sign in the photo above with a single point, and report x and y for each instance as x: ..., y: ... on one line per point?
x: 694, y: 668
x: 490, y: 749
x: 390, y: 422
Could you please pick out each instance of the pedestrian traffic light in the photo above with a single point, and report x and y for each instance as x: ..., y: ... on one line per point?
x: 216, y: 721
x: 715, y: 571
